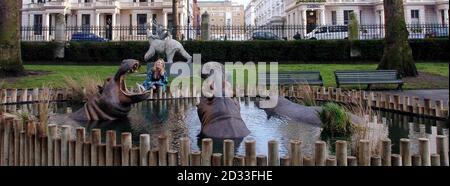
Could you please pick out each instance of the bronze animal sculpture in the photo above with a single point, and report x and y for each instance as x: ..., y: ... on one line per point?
x: 162, y: 43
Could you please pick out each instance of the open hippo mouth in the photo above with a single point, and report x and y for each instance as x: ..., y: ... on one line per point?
x: 114, y: 99
x: 137, y: 94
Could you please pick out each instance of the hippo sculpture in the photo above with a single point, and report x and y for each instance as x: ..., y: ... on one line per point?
x: 300, y: 113
x: 221, y: 118
x: 220, y: 115
x: 113, y: 100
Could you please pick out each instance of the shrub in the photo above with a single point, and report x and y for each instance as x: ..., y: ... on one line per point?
x: 336, y: 122
x: 299, y: 51
x: 38, y: 51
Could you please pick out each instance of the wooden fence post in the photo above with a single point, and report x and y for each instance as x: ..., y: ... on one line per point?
x: 386, y: 152
x: 163, y: 143
x: 250, y: 153
x: 126, y: 148
x: 80, y: 139
x: 217, y: 159
x: 185, y: 149
x: 435, y: 160
x: 442, y: 149
x: 72, y: 147
x: 228, y: 152
x: 172, y: 157
x: 396, y: 160
x: 375, y: 160
x: 416, y: 160
x: 405, y: 152
x: 320, y: 153
x: 295, y: 152
x: 101, y: 149
x: 273, y: 155
x: 341, y: 153
x: 65, y: 138
x: 110, y: 143
x: 196, y: 158
x: 144, y: 146
x: 52, y: 132
x: 424, y: 151
x: 331, y: 161
x: 364, y: 153
x: 261, y: 160
x: 207, y: 151
x: 351, y: 161
x: 96, y: 139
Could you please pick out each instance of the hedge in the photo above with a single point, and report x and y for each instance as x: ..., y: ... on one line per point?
x: 305, y: 51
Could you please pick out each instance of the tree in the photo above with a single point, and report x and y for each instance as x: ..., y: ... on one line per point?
x: 397, y: 51
x: 10, y: 54
x: 175, y: 5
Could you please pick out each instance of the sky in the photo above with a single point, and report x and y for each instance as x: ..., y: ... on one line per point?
x: 244, y: 2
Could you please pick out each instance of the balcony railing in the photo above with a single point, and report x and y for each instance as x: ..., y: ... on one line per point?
x: 106, y: 3
x: 34, y: 5
x: 55, y: 3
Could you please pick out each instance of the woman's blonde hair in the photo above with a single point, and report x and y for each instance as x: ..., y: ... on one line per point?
x: 163, y: 70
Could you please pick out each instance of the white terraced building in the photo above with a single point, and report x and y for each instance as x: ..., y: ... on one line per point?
x: 368, y: 12
x: 250, y: 13
x: 269, y: 12
x: 100, y: 13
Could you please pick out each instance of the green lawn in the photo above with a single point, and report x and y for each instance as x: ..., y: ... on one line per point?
x: 58, y: 72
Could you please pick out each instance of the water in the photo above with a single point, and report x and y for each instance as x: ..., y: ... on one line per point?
x: 178, y: 118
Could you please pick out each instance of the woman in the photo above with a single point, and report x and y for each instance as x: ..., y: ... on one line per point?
x: 156, y: 77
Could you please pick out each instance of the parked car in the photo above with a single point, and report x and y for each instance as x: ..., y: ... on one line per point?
x: 83, y: 36
x: 261, y: 35
x: 328, y: 32
x: 437, y: 32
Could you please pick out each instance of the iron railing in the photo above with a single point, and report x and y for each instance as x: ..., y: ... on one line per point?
x: 231, y: 33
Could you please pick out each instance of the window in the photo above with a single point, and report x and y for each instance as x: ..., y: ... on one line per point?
x: 347, y: 16
x: 360, y: 17
x: 443, y: 17
x: 37, y: 24
x: 380, y: 18
x: 293, y: 17
x: 154, y: 20
x: 130, y: 28
x: 415, y: 16
x: 141, y: 23
x: 85, y: 22
x: 50, y: 25
x: 333, y: 18
x: 169, y: 21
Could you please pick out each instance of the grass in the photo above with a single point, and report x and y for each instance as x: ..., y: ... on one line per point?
x: 57, y: 73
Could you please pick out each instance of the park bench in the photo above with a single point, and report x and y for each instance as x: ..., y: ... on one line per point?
x: 368, y: 77
x: 296, y: 77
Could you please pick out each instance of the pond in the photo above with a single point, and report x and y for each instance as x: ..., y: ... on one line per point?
x: 178, y: 118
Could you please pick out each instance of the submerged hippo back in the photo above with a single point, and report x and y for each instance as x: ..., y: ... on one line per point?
x: 221, y: 118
